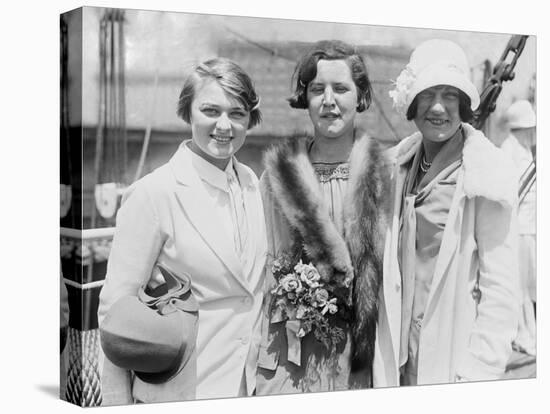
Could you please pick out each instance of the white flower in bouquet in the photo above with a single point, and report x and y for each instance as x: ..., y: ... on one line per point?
x: 308, y: 274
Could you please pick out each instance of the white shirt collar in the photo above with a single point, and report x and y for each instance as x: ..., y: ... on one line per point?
x: 210, y: 173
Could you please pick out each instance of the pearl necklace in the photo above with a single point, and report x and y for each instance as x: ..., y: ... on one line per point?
x: 425, y: 165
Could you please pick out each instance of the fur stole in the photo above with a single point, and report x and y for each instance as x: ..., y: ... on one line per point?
x: 356, y: 256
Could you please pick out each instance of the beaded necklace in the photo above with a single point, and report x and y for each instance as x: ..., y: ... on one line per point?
x: 425, y: 165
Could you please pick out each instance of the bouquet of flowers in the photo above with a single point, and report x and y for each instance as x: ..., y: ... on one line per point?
x: 300, y: 295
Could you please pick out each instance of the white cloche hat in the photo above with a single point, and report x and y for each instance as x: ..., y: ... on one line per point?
x: 434, y: 62
x: 521, y: 115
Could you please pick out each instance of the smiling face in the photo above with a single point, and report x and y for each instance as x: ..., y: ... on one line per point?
x: 218, y: 123
x: 437, y: 114
x: 332, y: 99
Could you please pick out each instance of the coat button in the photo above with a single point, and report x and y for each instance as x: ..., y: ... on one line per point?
x: 244, y: 340
x: 397, y: 287
x: 247, y: 301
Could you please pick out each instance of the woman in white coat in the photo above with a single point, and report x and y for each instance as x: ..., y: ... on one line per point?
x: 449, y: 300
x: 199, y: 214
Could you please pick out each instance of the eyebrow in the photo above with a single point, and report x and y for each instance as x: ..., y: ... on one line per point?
x: 213, y: 105
x: 343, y: 83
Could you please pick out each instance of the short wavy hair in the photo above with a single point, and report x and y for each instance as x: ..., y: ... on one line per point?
x: 232, y: 79
x: 306, y: 70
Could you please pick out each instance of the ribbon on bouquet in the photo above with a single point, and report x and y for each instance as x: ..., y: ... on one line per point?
x: 294, y: 353
x: 293, y: 335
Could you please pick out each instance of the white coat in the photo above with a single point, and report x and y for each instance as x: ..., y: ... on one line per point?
x: 459, y: 337
x: 167, y: 217
x: 522, y: 159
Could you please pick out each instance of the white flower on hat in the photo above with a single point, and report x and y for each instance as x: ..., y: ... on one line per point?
x: 403, y: 85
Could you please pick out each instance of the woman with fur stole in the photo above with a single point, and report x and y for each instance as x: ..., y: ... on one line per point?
x: 324, y: 205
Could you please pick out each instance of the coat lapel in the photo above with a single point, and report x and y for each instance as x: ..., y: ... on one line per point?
x: 254, y: 215
x: 393, y: 308
x: 402, y: 154
x: 449, y: 243
x: 250, y: 192
x: 195, y: 202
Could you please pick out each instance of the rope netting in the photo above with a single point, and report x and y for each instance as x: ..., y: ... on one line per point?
x: 83, y: 382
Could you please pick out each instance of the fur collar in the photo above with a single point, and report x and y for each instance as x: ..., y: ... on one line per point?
x: 357, y: 255
x: 488, y: 171
x: 295, y: 187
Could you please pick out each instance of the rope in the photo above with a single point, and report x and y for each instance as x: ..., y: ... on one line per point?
x: 381, y: 110
x: 111, y: 158
x: 385, y: 117
x: 147, y: 138
x: 277, y: 54
x: 266, y: 49
x: 123, y: 166
x: 101, y: 110
x: 527, y: 180
x: 528, y: 188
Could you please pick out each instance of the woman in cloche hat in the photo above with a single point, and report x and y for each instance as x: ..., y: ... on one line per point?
x: 449, y: 307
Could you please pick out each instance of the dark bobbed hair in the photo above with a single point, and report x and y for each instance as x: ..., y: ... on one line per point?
x: 306, y: 70
x: 464, y: 108
x: 232, y: 79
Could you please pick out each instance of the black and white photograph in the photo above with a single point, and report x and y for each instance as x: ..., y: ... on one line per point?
x: 296, y: 207
x: 266, y: 213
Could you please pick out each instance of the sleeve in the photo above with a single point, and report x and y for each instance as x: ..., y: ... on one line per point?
x: 277, y: 230
x: 136, y: 245
x: 268, y: 353
x: 490, y: 345
x: 267, y: 202
x: 269, y: 215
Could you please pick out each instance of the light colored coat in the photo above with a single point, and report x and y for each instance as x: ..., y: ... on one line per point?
x: 167, y: 217
x: 459, y: 337
x: 522, y: 159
